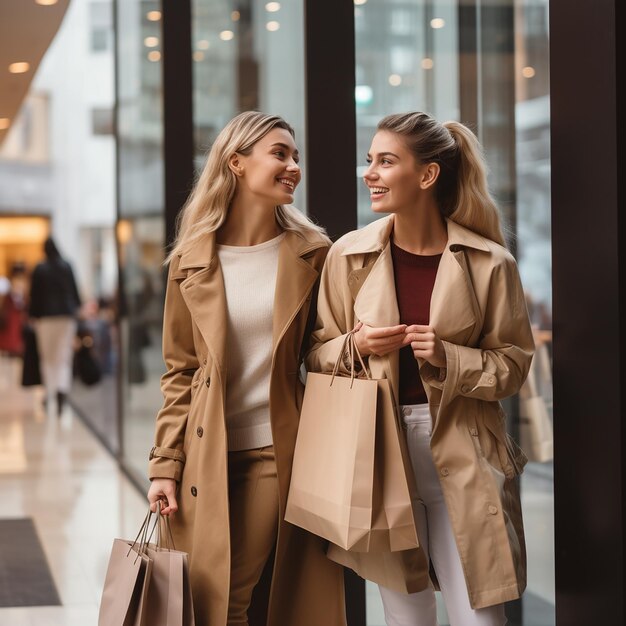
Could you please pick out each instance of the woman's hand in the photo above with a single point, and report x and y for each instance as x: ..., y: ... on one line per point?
x: 163, y: 489
x: 425, y: 344
x: 379, y: 341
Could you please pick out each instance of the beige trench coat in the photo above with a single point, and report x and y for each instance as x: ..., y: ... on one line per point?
x: 190, y: 440
x: 479, y: 311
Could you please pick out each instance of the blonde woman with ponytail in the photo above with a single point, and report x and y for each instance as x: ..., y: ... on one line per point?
x: 243, y: 273
x: 434, y: 300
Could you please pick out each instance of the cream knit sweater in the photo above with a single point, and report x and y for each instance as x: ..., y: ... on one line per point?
x: 250, y: 282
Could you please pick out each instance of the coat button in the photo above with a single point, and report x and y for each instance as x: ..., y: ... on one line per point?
x: 200, y: 431
x: 465, y: 388
x: 207, y: 382
x: 491, y: 380
x: 492, y: 509
x: 445, y: 471
x: 194, y: 492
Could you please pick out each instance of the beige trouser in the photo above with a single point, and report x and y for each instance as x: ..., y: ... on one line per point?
x: 55, y: 337
x: 253, y: 495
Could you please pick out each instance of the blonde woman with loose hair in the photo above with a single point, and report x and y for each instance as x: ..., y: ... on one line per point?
x: 240, y: 304
x: 435, y: 303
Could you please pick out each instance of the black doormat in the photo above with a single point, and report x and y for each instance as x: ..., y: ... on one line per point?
x: 25, y: 578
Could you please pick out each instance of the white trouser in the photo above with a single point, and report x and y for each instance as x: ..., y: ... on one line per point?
x: 437, y: 539
x: 55, y: 338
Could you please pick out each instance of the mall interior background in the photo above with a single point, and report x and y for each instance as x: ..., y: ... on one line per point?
x: 85, y: 161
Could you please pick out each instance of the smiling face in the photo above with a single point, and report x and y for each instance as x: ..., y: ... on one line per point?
x: 270, y: 172
x: 395, y: 179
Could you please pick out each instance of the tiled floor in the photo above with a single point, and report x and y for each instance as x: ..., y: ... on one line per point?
x: 55, y: 471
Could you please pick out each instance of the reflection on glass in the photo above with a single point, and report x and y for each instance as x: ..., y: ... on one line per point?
x: 141, y: 225
x: 485, y: 64
x: 240, y: 64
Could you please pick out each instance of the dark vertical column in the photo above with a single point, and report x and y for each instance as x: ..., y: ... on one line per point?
x: 331, y: 153
x: 589, y: 278
x: 331, y: 114
x: 468, y: 62
x: 177, y: 109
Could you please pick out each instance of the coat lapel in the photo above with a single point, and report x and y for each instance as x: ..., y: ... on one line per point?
x: 203, y: 292
x: 294, y: 281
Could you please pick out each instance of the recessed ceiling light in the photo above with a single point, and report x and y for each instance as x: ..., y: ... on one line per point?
x: 427, y: 63
x: 154, y: 56
x: 151, y: 42
x: 226, y: 35
x: 19, y: 68
x: 272, y: 7
x: 438, y: 22
x: 46, y: 3
x: 198, y: 55
x: 153, y: 16
x: 395, y: 80
x: 235, y: 16
x: 528, y: 71
x: 5, y: 122
x: 272, y: 26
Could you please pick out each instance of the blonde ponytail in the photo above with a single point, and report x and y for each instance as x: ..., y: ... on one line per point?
x: 462, y: 192
x: 474, y: 206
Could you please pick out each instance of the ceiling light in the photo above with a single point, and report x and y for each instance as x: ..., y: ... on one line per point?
x: 438, y: 22
x: 272, y: 7
x: 154, y: 56
x: 198, y: 55
x: 395, y: 80
x: 427, y: 63
x: 360, y: 1
x: 46, y: 3
x: 528, y: 72
x: 235, y: 16
x: 153, y: 16
x: 19, y: 68
x: 272, y: 26
x: 5, y: 122
x: 151, y: 42
x: 226, y: 35
x: 203, y: 44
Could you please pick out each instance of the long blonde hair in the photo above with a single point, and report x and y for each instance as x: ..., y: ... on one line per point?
x: 461, y: 190
x: 207, y: 207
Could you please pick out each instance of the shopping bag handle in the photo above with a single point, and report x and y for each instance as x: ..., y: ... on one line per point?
x: 163, y: 530
x: 349, y: 345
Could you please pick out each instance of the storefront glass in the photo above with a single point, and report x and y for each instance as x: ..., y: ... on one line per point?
x: 240, y: 64
x: 485, y: 64
x: 141, y: 224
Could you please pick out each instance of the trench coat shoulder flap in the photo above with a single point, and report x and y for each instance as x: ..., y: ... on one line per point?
x: 199, y: 274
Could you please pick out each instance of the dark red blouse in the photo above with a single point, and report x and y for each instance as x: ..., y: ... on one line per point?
x: 415, y: 278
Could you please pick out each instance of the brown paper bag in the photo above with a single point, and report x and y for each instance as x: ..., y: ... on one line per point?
x: 349, y: 483
x: 125, y: 586
x: 169, y: 600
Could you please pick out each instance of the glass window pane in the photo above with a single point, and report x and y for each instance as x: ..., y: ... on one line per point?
x: 141, y: 224
x: 240, y: 64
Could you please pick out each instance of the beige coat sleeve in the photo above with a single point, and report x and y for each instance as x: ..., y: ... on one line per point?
x: 335, y: 315
x: 499, y: 365
x: 167, y: 457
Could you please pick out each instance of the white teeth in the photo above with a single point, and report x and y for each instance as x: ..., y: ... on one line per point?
x: 287, y: 182
x: 374, y: 190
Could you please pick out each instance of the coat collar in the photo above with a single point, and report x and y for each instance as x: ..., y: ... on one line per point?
x: 454, y: 312
x: 203, y: 251
x: 375, y: 236
x: 204, y: 294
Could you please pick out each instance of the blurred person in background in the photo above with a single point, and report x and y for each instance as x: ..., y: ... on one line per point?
x: 54, y: 305
x: 12, y: 305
